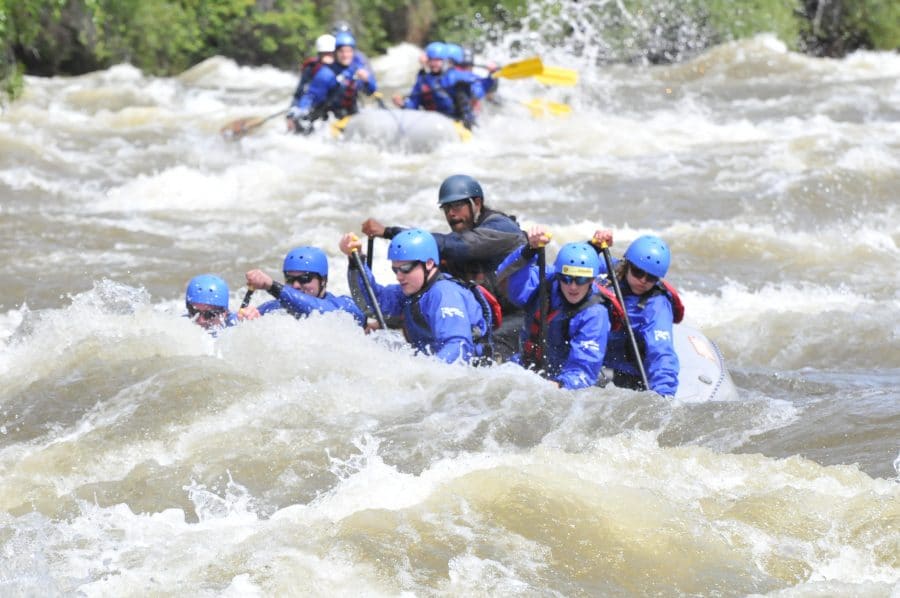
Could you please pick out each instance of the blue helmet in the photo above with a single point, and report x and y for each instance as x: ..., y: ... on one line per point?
x: 436, y: 50
x: 344, y: 38
x: 455, y: 53
x: 306, y: 259
x: 578, y: 259
x: 414, y: 244
x: 650, y: 254
x: 207, y: 289
x: 457, y: 187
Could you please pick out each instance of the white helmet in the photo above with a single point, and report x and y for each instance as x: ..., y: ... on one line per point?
x: 325, y: 43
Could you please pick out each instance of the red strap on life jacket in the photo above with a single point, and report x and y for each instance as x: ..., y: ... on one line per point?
x: 428, y: 97
x: 615, y: 309
x: 496, y: 310
x: 677, y: 305
x: 348, y: 98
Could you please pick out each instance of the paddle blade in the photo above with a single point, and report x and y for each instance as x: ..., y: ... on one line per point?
x: 338, y: 126
x: 540, y: 108
x: 519, y: 70
x: 557, y: 75
x: 465, y: 135
x: 240, y: 127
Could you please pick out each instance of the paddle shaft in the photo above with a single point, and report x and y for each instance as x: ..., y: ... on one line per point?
x: 631, y: 338
x: 371, y: 292
x: 543, y: 306
x: 246, y: 301
x: 370, y: 249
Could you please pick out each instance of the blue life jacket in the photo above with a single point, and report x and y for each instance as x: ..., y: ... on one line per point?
x: 577, y: 335
x: 443, y: 318
x: 652, y: 316
x: 428, y: 92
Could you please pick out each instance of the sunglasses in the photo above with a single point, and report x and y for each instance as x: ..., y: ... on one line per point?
x: 455, y: 205
x: 204, y: 314
x: 302, y: 278
x: 405, y: 268
x: 641, y: 274
x: 579, y: 280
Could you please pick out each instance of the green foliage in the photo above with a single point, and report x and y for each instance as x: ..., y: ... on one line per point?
x: 157, y: 36
x: 738, y: 20
x: 473, y: 22
x: 166, y: 36
x: 836, y: 28
x: 880, y: 20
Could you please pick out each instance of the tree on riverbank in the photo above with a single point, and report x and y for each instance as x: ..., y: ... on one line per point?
x: 164, y: 37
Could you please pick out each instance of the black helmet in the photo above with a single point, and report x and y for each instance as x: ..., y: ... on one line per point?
x: 457, y: 187
x: 341, y: 27
x: 468, y: 57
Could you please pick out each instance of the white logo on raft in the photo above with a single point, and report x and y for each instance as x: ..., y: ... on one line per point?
x: 451, y: 312
x: 592, y: 346
x: 660, y: 335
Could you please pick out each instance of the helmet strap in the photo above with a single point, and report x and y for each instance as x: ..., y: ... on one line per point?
x: 476, y: 213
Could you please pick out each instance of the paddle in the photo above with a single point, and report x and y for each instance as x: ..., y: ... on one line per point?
x: 369, y: 290
x: 379, y: 99
x: 540, y: 108
x: 370, y: 249
x: 246, y: 302
x: 543, y: 306
x: 520, y: 70
x: 634, y: 346
x: 240, y: 127
x: 557, y: 75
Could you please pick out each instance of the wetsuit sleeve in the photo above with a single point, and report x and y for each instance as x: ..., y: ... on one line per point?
x: 269, y: 306
x: 462, y: 103
x: 589, y: 331
x: 414, y: 99
x: 319, y: 89
x: 660, y: 361
x: 390, y: 298
x: 496, y: 235
x: 371, y: 85
x: 301, y: 85
x: 522, y: 272
x: 445, y: 311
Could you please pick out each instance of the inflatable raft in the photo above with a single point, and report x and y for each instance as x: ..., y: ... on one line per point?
x: 412, y: 130
x: 703, y: 376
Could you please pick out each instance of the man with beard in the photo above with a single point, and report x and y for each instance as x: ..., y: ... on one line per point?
x: 480, y: 239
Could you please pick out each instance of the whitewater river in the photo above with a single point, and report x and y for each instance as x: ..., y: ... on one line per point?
x: 140, y: 456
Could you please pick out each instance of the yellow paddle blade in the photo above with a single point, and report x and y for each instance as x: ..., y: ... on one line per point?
x: 519, y: 70
x: 465, y: 135
x: 338, y: 126
x: 557, y: 75
x: 540, y: 108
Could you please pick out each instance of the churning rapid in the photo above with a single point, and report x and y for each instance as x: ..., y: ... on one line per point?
x: 140, y: 456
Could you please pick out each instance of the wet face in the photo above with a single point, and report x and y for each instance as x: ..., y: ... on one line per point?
x: 306, y: 282
x: 459, y: 214
x: 574, y: 288
x: 207, y: 316
x: 411, y: 275
x: 344, y: 55
x: 435, y: 65
x: 639, y: 281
